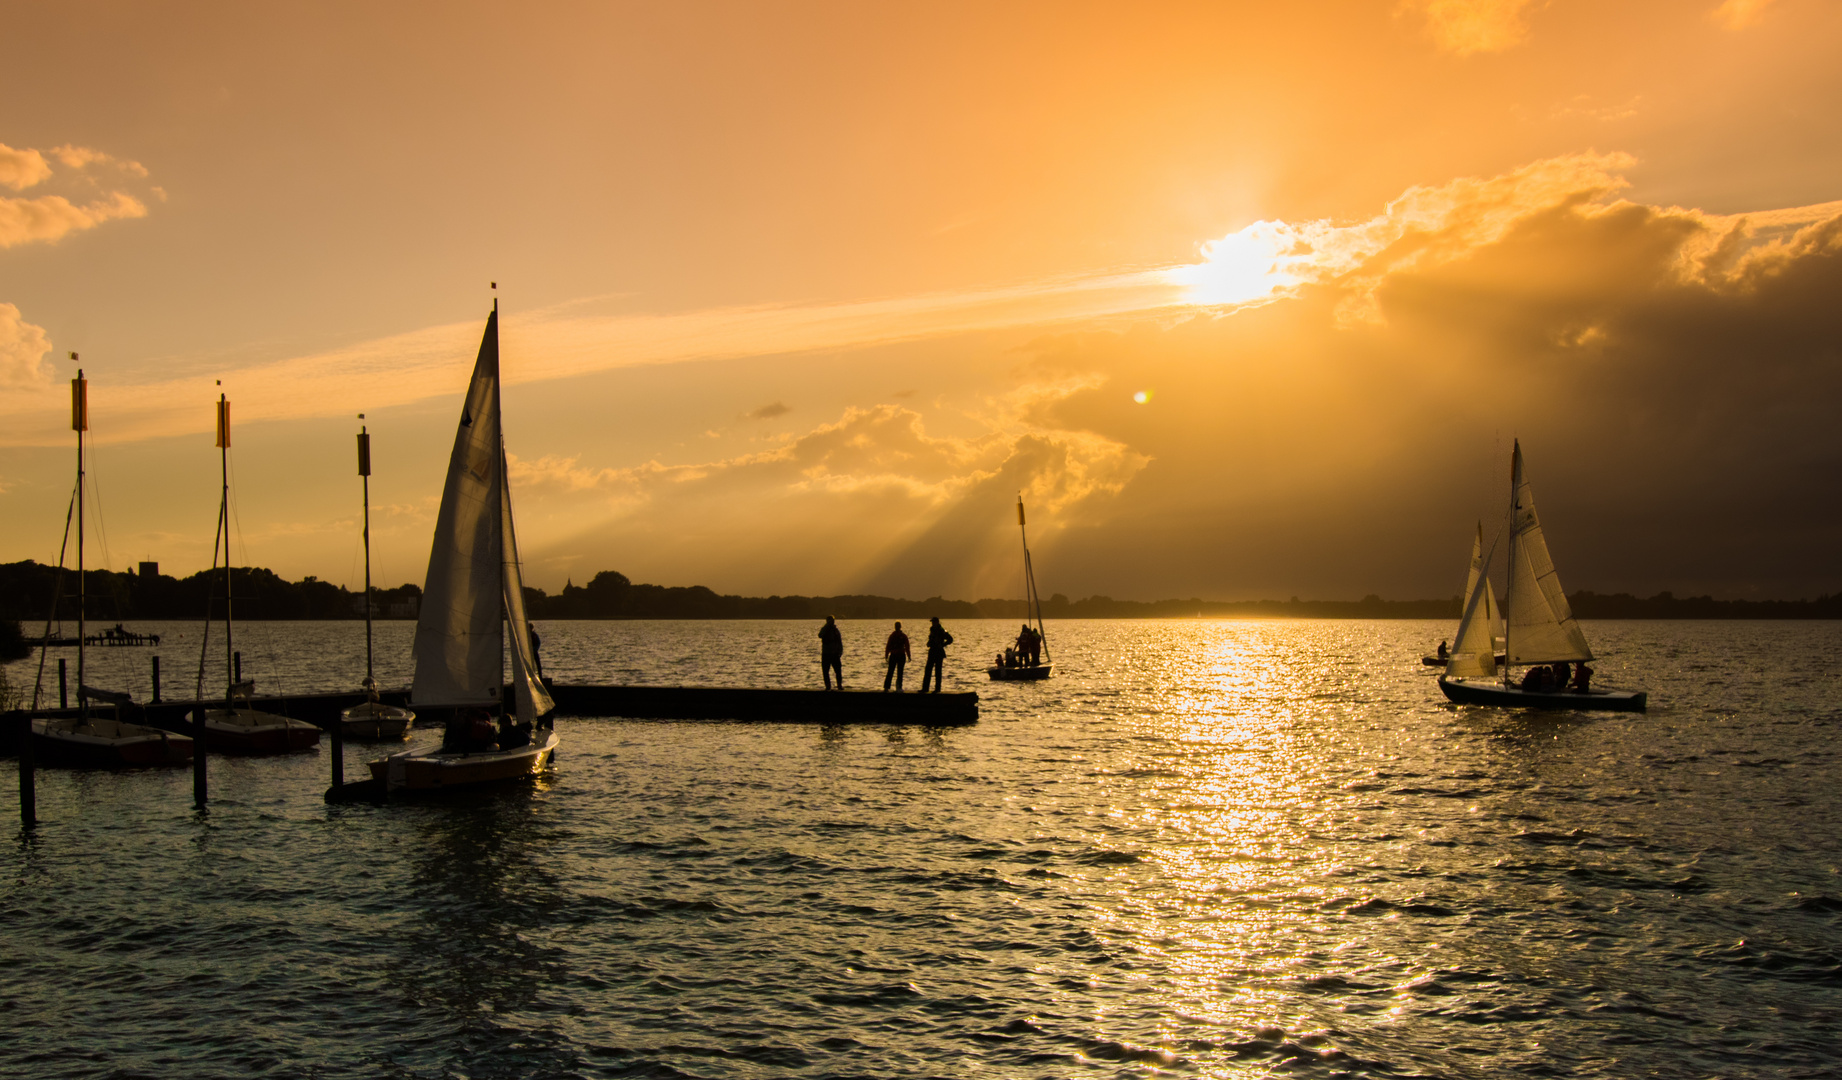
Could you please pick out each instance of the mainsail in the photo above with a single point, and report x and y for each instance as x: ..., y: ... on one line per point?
x: 1540, y: 623
x: 473, y: 586
x: 1473, y: 654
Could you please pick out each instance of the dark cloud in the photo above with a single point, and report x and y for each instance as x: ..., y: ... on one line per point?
x: 769, y: 411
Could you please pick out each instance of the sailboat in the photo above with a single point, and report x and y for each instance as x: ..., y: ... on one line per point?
x: 473, y: 594
x: 371, y: 719
x: 240, y: 729
x: 1027, y: 666
x: 1538, y: 627
x: 1492, y: 612
x: 84, y: 740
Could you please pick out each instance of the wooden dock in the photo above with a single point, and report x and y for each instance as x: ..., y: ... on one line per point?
x: 738, y: 704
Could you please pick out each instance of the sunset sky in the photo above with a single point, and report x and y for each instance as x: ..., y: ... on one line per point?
x: 1248, y: 300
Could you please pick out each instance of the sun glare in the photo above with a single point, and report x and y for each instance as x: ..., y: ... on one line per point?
x: 1242, y: 266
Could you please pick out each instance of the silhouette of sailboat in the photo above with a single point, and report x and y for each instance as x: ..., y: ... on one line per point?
x: 371, y: 719
x: 1027, y: 667
x: 233, y: 728
x: 84, y: 740
x: 1538, y: 626
x: 473, y: 595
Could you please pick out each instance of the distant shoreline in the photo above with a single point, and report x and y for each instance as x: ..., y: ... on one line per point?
x: 26, y: 589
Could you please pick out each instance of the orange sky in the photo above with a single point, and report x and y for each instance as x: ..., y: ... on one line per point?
x: 798, y: 297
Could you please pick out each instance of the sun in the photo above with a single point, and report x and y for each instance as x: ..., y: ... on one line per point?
x: 1243, y: 266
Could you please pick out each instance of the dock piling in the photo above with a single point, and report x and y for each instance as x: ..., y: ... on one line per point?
x: 156, y: 680
x: 236, y: 665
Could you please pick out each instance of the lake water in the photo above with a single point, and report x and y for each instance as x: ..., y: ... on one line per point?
x: 1205, y: 848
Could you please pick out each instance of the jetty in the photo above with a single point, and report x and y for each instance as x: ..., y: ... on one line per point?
x: 735, y: 704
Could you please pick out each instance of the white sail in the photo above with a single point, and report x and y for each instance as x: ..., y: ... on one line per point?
x: 459, y: 649
x: 1473, y: 654
x: 528, y: 692
x: 1540, y: 624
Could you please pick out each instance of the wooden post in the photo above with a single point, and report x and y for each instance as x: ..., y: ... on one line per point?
x: 63, y: 687
x: 28, y: 787
x: 236, y: 663
x: 156, y: 680
x: 338, y: 751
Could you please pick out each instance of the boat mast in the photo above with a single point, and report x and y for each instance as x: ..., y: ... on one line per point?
x: 223, y: 516
x: 1032, y: 603
x: 364, y: 471
x: 80, y: 423
x: 1509, y: 581
x: 498, y: 412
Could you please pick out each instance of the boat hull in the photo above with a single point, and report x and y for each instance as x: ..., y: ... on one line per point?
x: 374, y: 722
x: 105, y: 744
x: 1466, y: 692
x: 435, y: 769
x: 250, y: 731
x: 1028, y: 673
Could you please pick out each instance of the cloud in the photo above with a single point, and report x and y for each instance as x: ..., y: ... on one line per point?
x: 871, y: 500
x: 22, y: 352
x: 1464, y: 27
x: 1740, y: 14
x: 769, y: 411
x: 20, y: 169
x: 49, y: 218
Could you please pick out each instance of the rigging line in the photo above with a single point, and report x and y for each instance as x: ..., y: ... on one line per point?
x: 95, y: 490
x: 57, y: 593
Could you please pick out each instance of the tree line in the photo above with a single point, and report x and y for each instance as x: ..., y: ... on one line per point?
x: 27, y: 590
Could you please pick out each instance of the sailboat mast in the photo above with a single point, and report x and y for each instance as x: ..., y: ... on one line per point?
x: 1509, y: 582
x: 364, y: 472
x: 223, y: 516
x: 80, y: 423
x: 1033, y: 608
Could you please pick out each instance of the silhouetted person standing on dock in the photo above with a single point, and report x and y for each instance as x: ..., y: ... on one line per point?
x: 937, y: 641
x: 831, y: 652
x: 895, y: 651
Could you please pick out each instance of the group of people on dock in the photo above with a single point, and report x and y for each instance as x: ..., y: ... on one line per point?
x: 896, y: 653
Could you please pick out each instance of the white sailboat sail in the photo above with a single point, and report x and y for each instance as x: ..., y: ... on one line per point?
x: 459, y: 648
x: 1540, y: 623
x: 1473, y: 654
x: 528, y: 693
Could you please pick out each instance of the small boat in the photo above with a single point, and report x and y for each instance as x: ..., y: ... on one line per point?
x: 1538, y: 627
x: 473, y: 615
x: 371, y: 720
x: 1027, y: 661
x: 239, y: 729
x: 86, y: 741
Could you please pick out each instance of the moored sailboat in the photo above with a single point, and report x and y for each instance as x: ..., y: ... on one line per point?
x: 1028, y: 660
x: 474, y: 595
x: 371, y: 719
x: 85, y: 740
x: 1538, y: 627
x: 240, y: 729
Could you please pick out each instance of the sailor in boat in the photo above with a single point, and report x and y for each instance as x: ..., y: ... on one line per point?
x: 1582, y: 678
x: 469, y: 731
x: 1442, y: 650
x: 536, y: 661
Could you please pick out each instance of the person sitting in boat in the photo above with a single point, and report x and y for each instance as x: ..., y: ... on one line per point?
x: 1009, y: 659
x: 1582, y: 678
x: 512, y: 736
x: 1442, y: 650
x: 1561, y: 675
x: 469, y: 731
x: 1535, y: 679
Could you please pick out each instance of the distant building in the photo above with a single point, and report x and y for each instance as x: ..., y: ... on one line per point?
x: 150, y: 570
x: 407, y: 609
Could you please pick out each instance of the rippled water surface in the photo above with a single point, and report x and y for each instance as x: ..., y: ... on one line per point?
x: 1204, y: 848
